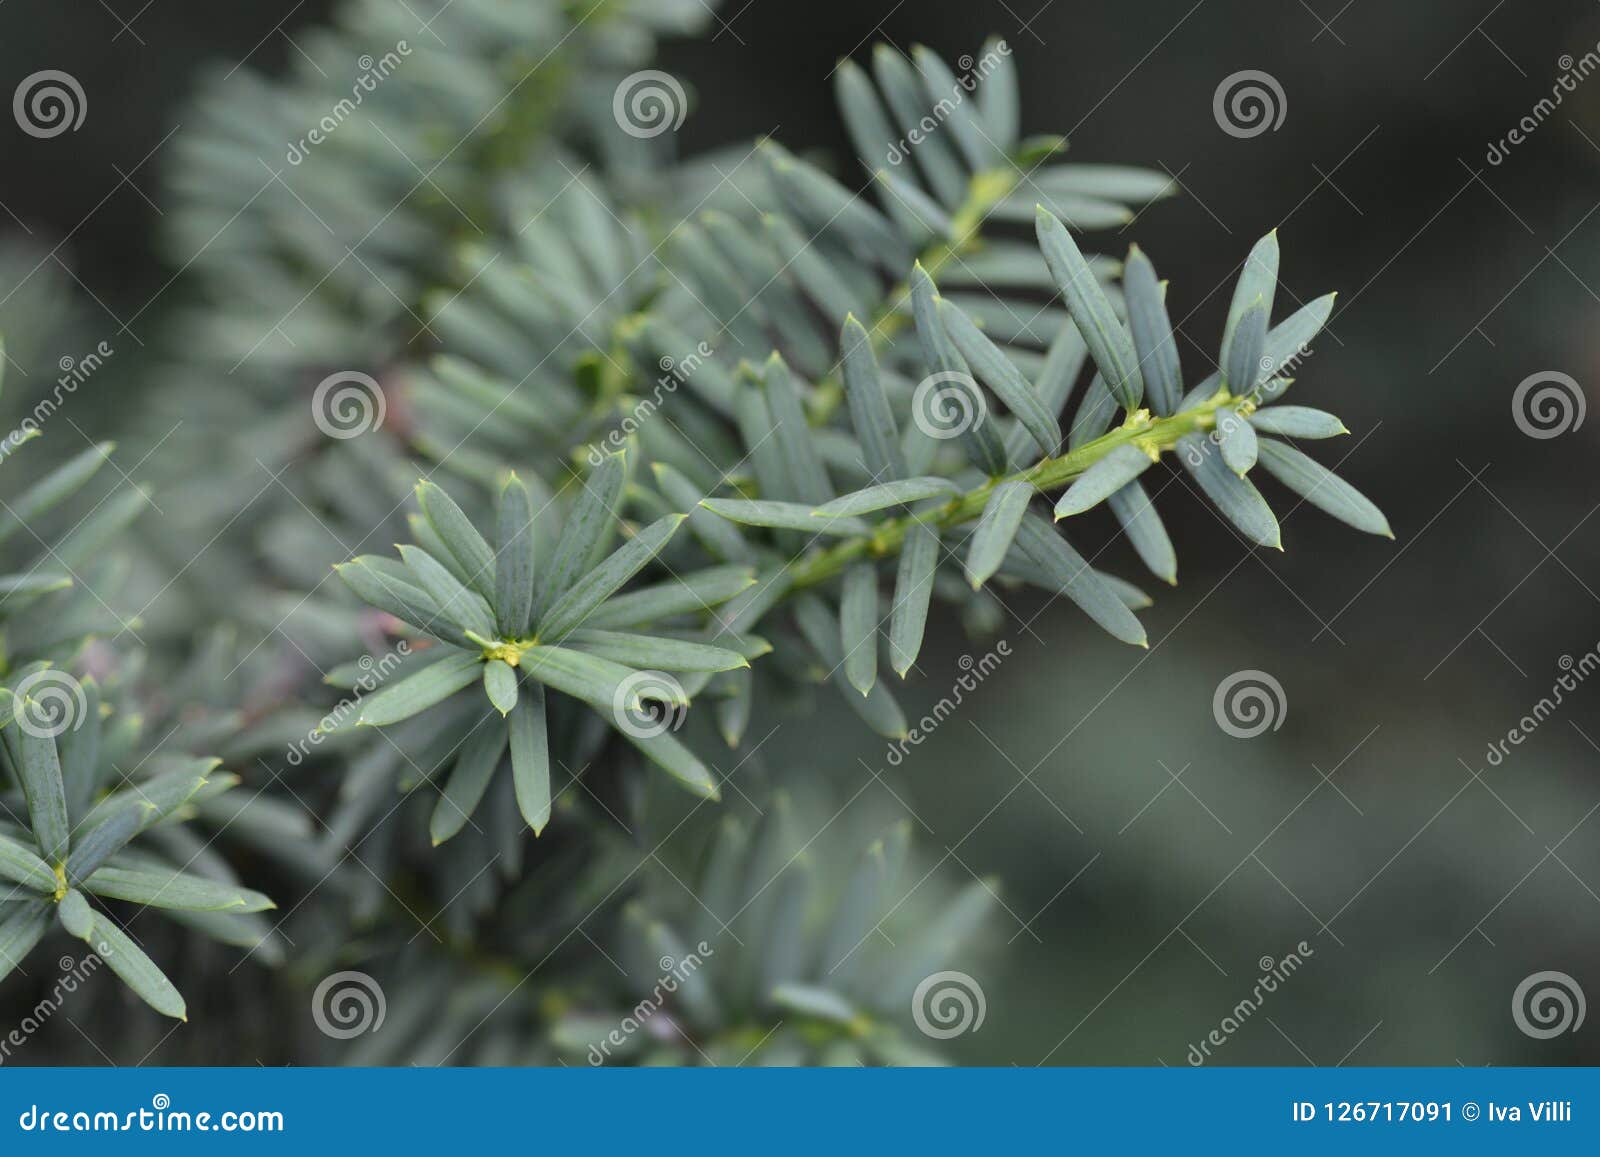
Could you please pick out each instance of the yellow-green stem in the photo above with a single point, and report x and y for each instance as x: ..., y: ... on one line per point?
x: 1155, y: 434
x: 986, y: 190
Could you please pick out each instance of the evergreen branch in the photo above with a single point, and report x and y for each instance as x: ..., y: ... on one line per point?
x: 986, y: 189
x: 1154, y: 436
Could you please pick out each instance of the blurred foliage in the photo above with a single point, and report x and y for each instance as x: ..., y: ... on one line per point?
x: 1149, y: 868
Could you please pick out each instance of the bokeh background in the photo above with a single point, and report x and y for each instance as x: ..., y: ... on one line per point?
x: 1149, y: 861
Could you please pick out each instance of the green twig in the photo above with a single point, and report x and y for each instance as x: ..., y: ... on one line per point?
x: 1157, y: 435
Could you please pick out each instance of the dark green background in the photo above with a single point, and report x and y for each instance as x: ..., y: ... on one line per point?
x: 1427, y: 884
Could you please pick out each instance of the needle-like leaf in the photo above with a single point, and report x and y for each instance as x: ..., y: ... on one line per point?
x: 1107, y: 338
x: 1322, y: 487
x: 913, y: 588
x: 1002, y: 515
x: 530, y: 757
